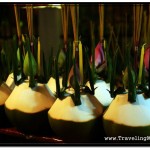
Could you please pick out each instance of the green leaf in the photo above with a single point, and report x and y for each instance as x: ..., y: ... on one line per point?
x: 143, y: 86
x: 112, y: 57
x: 132, y: 85
x: 8, y: 52
x: 93, y: 47
x: 113, y: 73
x: 3, y: 64
x: 20, y: 59
x: 131, y: 78
x: 143, y: 82
x: 68, y: 65
x: 14, y: 59
x: 18, y: 55
x: 61, y: 58
x: 90, y: 75
x: 50, y: 64
x: 119, y: 90
x: 76, y: 96
x: 47, y: 67
x: 26, y: 44
x: 35, y: 48
x: 85, y: 67
x: 70, y: 55
x: 30, y: 66
x: 108, y: 57
x: 57, y: 77
x: 30, y: 61
x: 66, y: 68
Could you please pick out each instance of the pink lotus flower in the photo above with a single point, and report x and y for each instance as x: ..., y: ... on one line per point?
x: 99, y: 55
x: 146, y: 58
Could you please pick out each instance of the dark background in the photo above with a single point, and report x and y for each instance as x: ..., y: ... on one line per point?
x: 115, y: 15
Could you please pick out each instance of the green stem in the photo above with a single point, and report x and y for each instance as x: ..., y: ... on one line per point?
x: 90, y: 75
x: 32, y: 82
x: 21, y: 58
x: 57, y: 78
x: 76, y: 99
x: 131, y: 80
x: 14, y: 60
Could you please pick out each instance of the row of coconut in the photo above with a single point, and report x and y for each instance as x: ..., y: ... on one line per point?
x: 81, y: 105
x: 28, y: 109
x: 37, y: 110
x: 75, y: 113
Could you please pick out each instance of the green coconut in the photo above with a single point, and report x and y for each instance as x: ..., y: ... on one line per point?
x: 52, y: 84
x: 4, y: 94
x: 124, y: 118
x: 10, y: 81
x: 27, y: 108
x: 80, y: 123
x: 102, y: 92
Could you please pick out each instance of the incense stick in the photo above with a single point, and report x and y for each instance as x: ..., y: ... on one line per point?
x: 137, y: 12
x: 148, y: 27
x: 29, y: 10
x: 92, y: 27
x: 17, y: 21
x: 74, y: 15
x: 145, y: 27
x: 28, y: 18
x: 77, y: 44
x: 65, y: 14
x: 39, y: 56
x: 101, y: 21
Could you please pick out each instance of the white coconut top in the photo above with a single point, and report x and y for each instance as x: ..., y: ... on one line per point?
x: 66, y: 110
x: 4, y: 93
x: 132, y: 114
x: 101, y: 92
x: 29, y: 100
x: 10, y: 81
x: 52, y: 84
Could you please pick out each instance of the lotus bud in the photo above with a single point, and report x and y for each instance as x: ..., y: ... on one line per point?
x: 26, y: 67
x: 99, y: 55
x: 61, y: 59
x: 146, y: 58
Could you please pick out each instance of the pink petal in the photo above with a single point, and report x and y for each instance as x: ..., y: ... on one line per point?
x: 146, y: 58
x: 99, y: 55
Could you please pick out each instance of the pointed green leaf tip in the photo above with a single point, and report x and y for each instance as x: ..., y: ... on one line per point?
x: 18, y: 55
x: 90, y: 75
x: 26, y: 67
x: 76, y: 95
x: 2, y: 55
x: 132, y: 85
x: 61, y: 59
x: 57, y: 77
